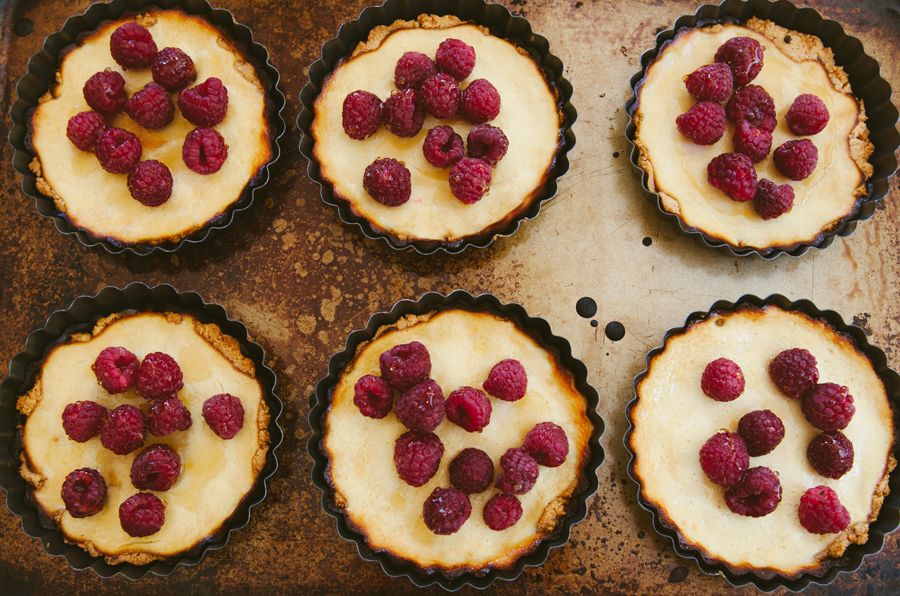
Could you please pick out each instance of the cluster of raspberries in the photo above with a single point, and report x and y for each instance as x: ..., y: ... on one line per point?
x: 118, y: 150
x: 432, y: 86
x: 737, y: 62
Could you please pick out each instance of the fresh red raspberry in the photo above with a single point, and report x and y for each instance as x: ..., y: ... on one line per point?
x: 753, y: 142
x: 224, y: 413
x: 756, y: 495
x: 373, y: 397
x: 421, y: 407
x: 831, y: 454
x: 724, y: 458
x: 205, y: 104
x: 84, y: 128
x: 722, y: 380
x: 388, y: 181
x: 733, y: 174
x: 116, y: 369
x: 761, y: 430
x: 159, y: 377
x: 520, y: 472
x: 443, y: 148
x: 173, y: 69
x: 471, y: 471
x: 796, y: 159
x: 469, y: 408
x: 132, y: 46
x: 417, y: 456
x: 404, y: 113
x: 168, y: 415
x: 713, y: 82
x: 82, y: 420
x: 412, y: 69
x: 440, y: 95
x: 150, y: 183
x: 507, y: 380
x: 794, y: 372
x: 405, y: 365
x: 446, y: 510
x: 828, y: 406
x: 807, y: 116
x: 142, y: 514
x: 771, y: 200
x: 151, y: 107
x: 361, y: 114
x: 105, y: 92
x: 488, y: 143
x: 745, y: 57
x: 124, y: 430
x: 470, y: 180
x: 821, y: 511
x: 456, y: 58
x: 502, y: 511
x: 753, y: 105
x: 84, y: 492
x: 547, y: 444
x: 155, y: 468
x: 703, y: 124
x: 479, y: 102
x: 118, y: 150
x: 204, y: 151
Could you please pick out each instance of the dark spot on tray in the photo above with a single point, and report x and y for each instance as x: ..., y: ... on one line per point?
x: 660, y: 29
x: 23, y: 27
x: 647, y: 241
x: 586, y: 307
x: 579, y: 4
x: 594, y: 324
x: 615, y: 154
x: 615, y: 331
x: 623, y: 50
x: 679, y: 574
x: 136, y: 264
x: 863, y: 321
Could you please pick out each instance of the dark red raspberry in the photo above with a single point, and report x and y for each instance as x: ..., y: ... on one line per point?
x: 713, y: 82
x: 84, y: 492
x: 821, y: 511
x: 756, y: 495
x: 796, y: 159
x: 470, y: 180
x: 151, y: 107
x: 105, y: 92
x: 831, y: 454
x: 173, y: 69
x: 405, y: 365
x: 124, y: 430
x: 761, y: 430
x: 421, y: 407
x: 794, y: 372
x: 771, y: 200
x: 469, y: 408
x: 361, y: 114
x: 132, y: 46
x: 724, y: 458
x: 471, y: 471
x: 733, y: 174
x: 456, y: 58
x: 388, y: 181
x: 807, y: 116
x: 443, y: 148
x: 404, y: 113
x: 116, y: 369
x: 520, y: 472
x: 142, y: 514
x: 752, y: 104
x: 703, y: 124
x: 488, y: 143
x: 224, y: 413
x: 502, y: 511
x: 84, y: 128
x: 373, y: 397
x: 118, y: 150
x: 745, y: 57
x: 82, y: 420
x: 205, y: 104
x: 446, y: 510
x: 167, y: 416
x: 150, y: 183
x: 204, y: 151
x: 722, y: 380
x: 440, y: 95
x: 507, y: 380
x: 417, y: 456
x: 479, y: 102
x: 828, y: 406
x: 159, y: 377
x: 412, y: 69
x: 155, y: 468
x: 753, y: 142
x: 547, y: 444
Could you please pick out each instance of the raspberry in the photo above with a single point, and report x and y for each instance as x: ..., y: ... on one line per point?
x: 771, y: 200
x: 388, y: 181
x: 756, y: 495
x: 470, y: 179
x: 761, y: 430
x: 443, y: 147
x: 173, y: 69
x: 224, y: 413
x: 745, y: 57
x: 150, y: 183
x: 412, y: 69
x: 167, y: 416
x: 796, y: 159
x: 831, y: 454
x: 205, y: 104
x: 204, y: 151
x: 116, y: 369
x: 733, y: 174
x: 724, y: 458
x: 142, y: 514
x: 361, y: 114
x: 440, y: 95
x: 456, y: 58
x: 502, y: 511
x: 821, y: 512
x: 488, y: 143
x: 105, y: 92
x: 469, y: 408
x: 722, y: 380
x: 520, y: 472
x: 159, y: 377
x: 828, y: 407
x: 373, y: 397
x: 84, y: 492
x: 82, y: 420
x: 507, y: 380
x: 123, y: 431
x: 547, y: 444
x: 713, y: 82
x: 404, y: 113
x: 84, y: 128
x: 417, y: 456
x: 405, y: 365
x: 479, y: 102
x: 794, y: 372
x: 421, y: 407
x: 753, y: 142
x: 151, y: 107
x: 753, y: 105
x: 132, y: 46
x: 703, y: 124
x: 446, y: 510
x: 118, y: 150
x: 155, y: 468
x: 471, y: 471
x: 807, y: 116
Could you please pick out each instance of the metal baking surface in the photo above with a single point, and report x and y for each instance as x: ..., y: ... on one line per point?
x: 301, y: 281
